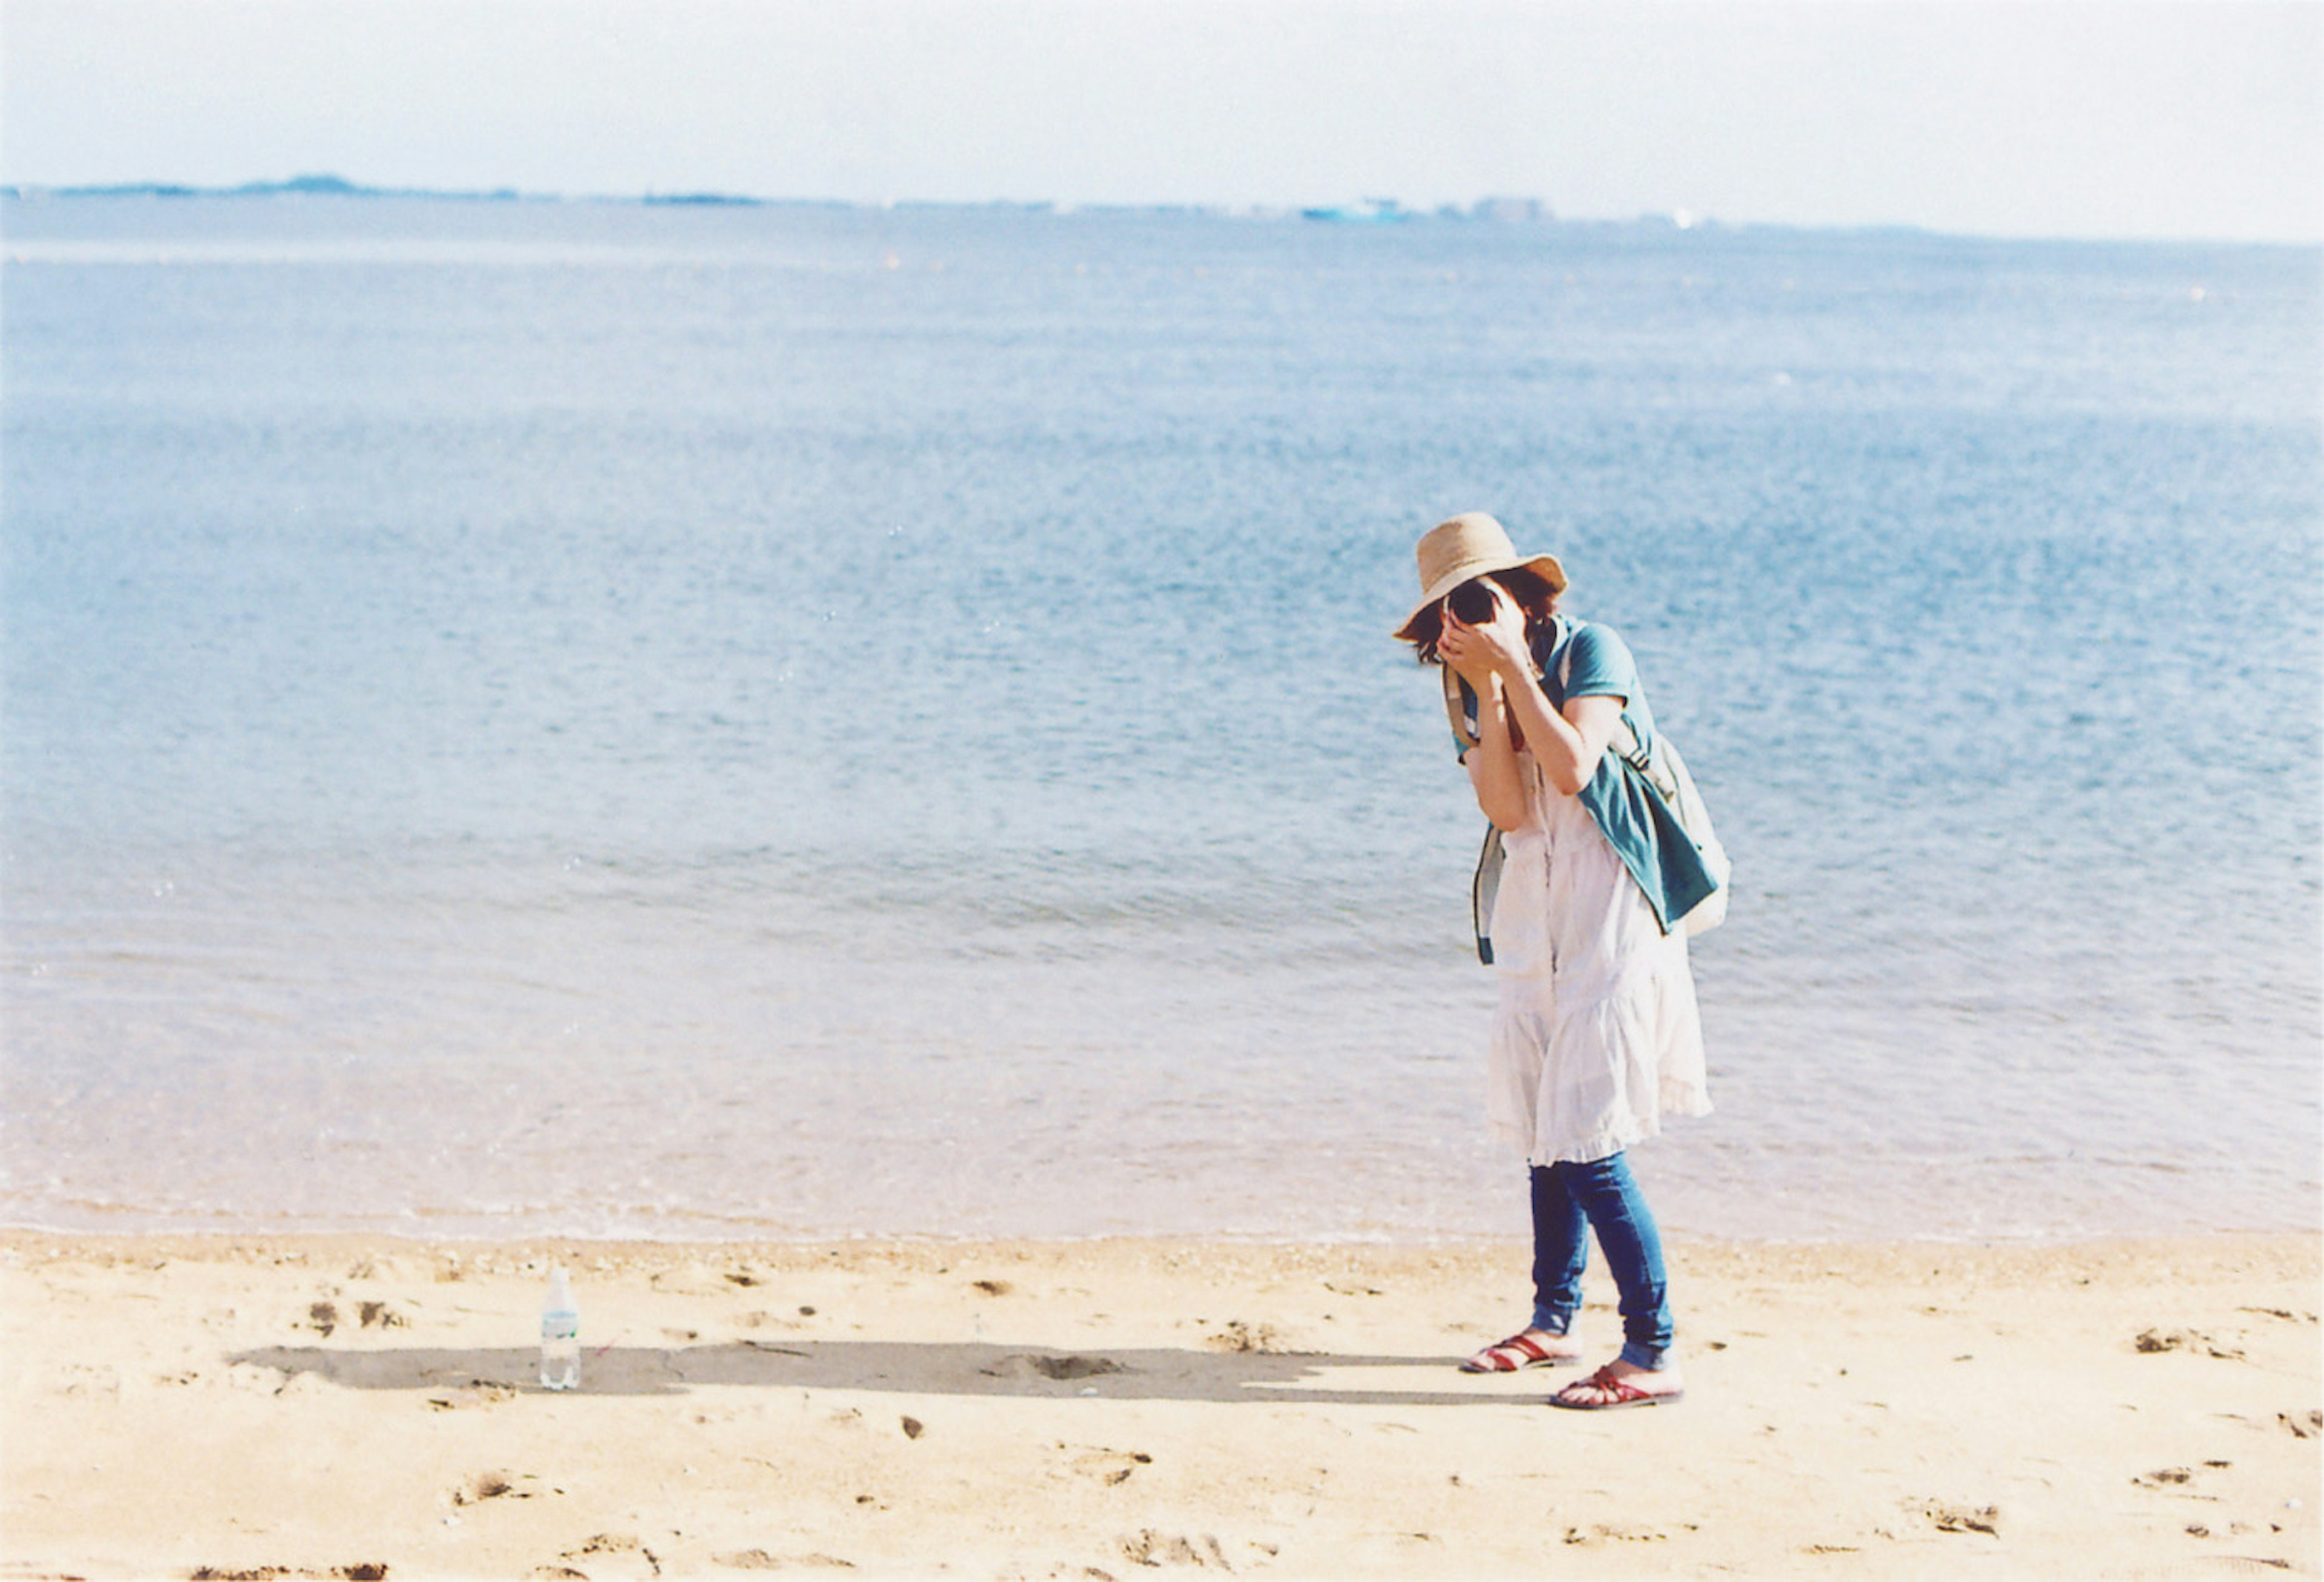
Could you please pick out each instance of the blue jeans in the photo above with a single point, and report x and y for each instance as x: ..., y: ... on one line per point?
x: 1569, y: 1202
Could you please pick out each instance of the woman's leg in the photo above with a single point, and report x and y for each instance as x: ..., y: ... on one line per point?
x: 1560, y: 1251
x: 1560, y: 1246
x: 1605, y: 1192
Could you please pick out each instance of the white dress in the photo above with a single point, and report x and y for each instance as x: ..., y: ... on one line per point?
x: 1597, y: 1037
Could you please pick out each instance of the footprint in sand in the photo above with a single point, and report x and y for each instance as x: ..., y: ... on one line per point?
x: 474, y: 1393
x: 2194, y: 1340
x: 759, y: 1559
x: 610, y: 1555
x: 496, y: 1486
x: 1239, y: 1336
x: 258, y: 1380
x: 1602, y: 1533
x: 1147, y: 1547
x: 1030, y: 1366
x: 1952, y: 1517
x: 1107, y: 1467
x: 2285, y: 1313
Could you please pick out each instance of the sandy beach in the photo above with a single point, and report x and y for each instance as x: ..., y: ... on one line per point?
x: 238, y: 1407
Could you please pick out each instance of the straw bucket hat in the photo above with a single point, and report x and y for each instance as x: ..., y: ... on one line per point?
x: 1466, y: 547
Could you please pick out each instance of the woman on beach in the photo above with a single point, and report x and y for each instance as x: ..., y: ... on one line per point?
x: 1596, y: 1038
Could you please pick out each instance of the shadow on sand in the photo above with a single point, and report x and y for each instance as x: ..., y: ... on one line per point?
x: 1315, y: 1378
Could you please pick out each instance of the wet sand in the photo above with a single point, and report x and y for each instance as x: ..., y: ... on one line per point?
x: 217, y: 1407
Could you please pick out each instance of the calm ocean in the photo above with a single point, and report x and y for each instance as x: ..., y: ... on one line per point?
x: 797, y: 721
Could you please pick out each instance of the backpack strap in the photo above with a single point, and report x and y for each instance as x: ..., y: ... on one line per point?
x: 1483, y: 889
x: 1461, y: 707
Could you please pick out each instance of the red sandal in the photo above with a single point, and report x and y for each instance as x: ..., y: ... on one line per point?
x: 1616, y: 1391
x: 1520, y: 1350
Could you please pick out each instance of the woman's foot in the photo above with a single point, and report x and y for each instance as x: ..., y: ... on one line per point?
x: 1621, y: 1384
x: 1526, y: 1349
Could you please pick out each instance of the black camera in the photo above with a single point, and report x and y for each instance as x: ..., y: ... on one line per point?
x: 1471, y: 603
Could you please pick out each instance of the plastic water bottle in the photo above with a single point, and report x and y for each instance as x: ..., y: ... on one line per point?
x: 561, y: 1336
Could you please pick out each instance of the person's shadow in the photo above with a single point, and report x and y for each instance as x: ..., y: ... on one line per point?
x: 906, y: 1367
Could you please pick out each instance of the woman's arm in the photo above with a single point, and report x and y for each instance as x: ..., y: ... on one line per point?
x: 1567, y: 746
x: 1493, y: 763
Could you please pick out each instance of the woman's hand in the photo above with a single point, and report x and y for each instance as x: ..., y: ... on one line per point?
x: 1491, y: 648
x: 1567, y: 744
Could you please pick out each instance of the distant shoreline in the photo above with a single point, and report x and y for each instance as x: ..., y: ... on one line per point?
x: 1370, y: 211
x: 1370, y: 214
x: 339, y: 187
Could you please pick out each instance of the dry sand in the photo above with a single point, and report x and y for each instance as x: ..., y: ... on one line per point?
x: 312, y: 1407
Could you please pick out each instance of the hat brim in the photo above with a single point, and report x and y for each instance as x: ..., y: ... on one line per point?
x: 1545, y: 566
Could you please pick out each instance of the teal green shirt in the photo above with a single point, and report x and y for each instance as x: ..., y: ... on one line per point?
x: 1579, y: 659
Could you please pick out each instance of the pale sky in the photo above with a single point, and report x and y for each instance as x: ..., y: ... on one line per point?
x: 2178, y: 119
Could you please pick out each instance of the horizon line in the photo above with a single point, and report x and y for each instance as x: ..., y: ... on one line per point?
x: 1501, y: 208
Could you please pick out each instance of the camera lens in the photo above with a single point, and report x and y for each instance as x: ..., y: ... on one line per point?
x: 1471, y: 603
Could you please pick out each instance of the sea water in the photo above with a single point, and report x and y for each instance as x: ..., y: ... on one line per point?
x: 608, y: 718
